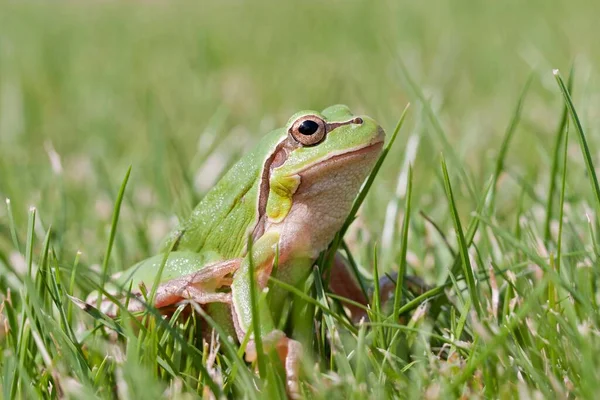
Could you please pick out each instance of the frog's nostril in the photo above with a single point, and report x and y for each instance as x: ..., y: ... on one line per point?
x: 358, y: 120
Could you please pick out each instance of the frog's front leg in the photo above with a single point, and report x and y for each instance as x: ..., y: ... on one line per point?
x: 185, y: 276
x: 200, y: 287
x: 289, y: 350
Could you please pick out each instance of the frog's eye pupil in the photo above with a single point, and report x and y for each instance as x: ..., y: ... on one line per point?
x: 308, y: 127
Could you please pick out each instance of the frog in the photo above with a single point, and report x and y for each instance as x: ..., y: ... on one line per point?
x: 271, y: 214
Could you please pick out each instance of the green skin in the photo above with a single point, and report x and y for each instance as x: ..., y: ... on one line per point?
x: 290, y: 199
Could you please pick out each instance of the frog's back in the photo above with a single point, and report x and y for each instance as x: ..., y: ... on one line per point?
x: 221, y: 222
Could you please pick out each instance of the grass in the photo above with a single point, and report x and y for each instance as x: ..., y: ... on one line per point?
x: 116, y: 118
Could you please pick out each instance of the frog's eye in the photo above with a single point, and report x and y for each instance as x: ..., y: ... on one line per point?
x: 308, y: 130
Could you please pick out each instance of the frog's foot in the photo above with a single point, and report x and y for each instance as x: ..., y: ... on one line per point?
x: 344, y: 284
x: 289, y: 352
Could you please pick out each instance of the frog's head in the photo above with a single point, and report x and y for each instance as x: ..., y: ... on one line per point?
x: 333, y: 132
x: 319, y: 168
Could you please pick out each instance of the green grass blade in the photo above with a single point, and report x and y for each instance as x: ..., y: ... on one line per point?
x: 113, y: 231
x: 404, y: 246
x: 456, y: 267
x: 561, y: 209
x: 463, y: 247
x: 585, y: 150
x: 555, y: 160
x: 30, y: 241
x: 260, y: 355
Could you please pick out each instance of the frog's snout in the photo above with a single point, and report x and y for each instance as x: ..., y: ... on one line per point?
x: 366, y: 122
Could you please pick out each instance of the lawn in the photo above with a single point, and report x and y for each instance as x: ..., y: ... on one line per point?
x: 116, y: 118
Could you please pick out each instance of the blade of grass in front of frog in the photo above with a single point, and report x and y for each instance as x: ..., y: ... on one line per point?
x: 438, y: 130
x: 403, y: 248
x: 274, y: 271
x: 556, y: 160
x: 260, y: 355
x: 585, y: 150
x: 463, y: 247
x: 113, y: 232
x: 510, y: 131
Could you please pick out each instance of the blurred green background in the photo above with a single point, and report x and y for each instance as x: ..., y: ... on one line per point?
x: 179, y: 89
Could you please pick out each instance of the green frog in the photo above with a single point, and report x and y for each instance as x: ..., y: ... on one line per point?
x: 288, y: 196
